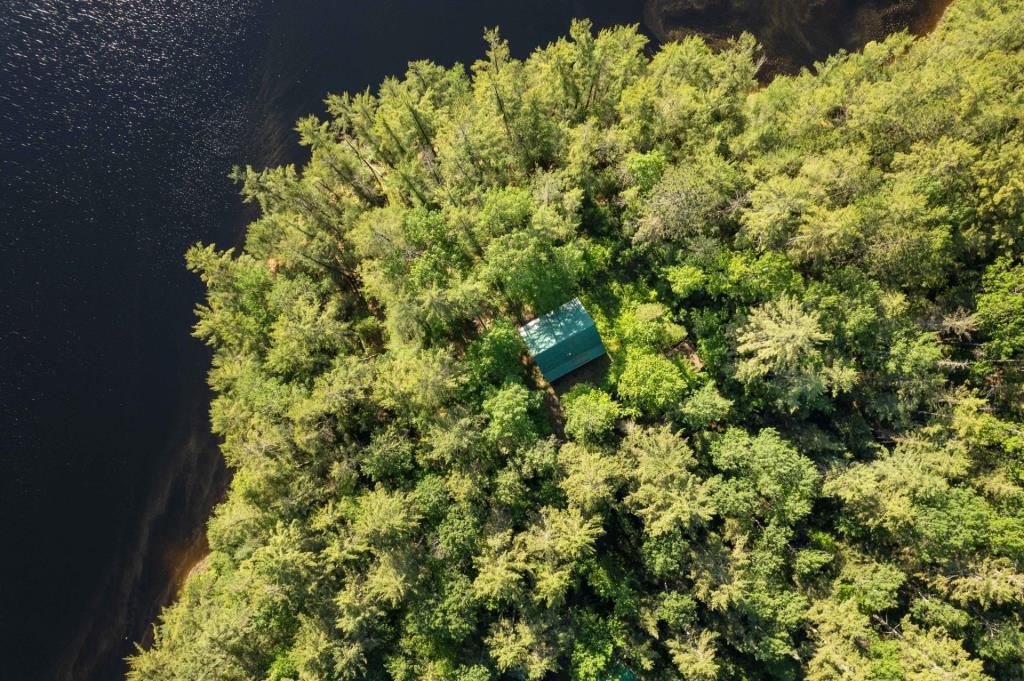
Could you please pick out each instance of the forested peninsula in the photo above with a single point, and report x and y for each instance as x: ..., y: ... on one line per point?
x: 802, y: 458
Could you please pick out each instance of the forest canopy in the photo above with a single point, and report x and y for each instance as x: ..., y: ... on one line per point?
x: 802, y: 461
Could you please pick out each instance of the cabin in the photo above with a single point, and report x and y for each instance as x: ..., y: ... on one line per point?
x: 562, y: 340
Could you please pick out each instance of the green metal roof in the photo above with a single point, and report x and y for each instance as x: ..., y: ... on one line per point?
x: 562, y: 340
x: 620, y: 673
x: 556, y: 326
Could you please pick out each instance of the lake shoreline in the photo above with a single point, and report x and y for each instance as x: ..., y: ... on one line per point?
x: 794, y: 35
x: 150, y: 577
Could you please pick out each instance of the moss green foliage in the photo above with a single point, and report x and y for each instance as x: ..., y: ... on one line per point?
x: 590, y: 413
x: 804, y: 461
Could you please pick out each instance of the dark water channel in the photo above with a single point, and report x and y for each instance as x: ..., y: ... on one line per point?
x: 119, y: 120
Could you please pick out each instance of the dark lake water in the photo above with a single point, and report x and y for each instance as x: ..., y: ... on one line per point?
x: 119, y: 120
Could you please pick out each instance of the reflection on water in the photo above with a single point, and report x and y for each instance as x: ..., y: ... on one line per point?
x: 794, y: 33
x: 118, y: 122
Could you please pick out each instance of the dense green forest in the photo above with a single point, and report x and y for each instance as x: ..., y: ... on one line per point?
x: 827, y: 482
